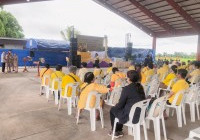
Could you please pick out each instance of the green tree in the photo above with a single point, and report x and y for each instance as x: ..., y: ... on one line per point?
x: 9, y: 26
x: 67, y: 33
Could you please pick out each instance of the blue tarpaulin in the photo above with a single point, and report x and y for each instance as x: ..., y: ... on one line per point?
x: 47, y: 45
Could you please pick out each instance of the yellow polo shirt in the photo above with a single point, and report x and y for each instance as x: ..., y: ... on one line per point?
x: 67, y: 79
x: 162, y: 71
x: 178, y: 86
x: 147, y: 74
x: 109, y: 70
x: 131, y: 67
x: 57, y: 74
x: 86, y: 90
x: 45, y: 72
x: 98, y: 72
x: 169, y: 77
x: 143, y: 75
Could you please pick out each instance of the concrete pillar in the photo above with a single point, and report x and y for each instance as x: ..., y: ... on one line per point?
x: 154, y: 48
x: 198, y: 49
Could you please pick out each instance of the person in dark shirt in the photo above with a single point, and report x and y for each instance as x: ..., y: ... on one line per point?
x: 130, y: 95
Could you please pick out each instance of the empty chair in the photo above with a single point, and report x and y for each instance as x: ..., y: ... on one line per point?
x: 71, y: 100
x: 156, y: 114
x: 92, y: 110
x: 44, y: 88
x: 179, y: 108
x: 54, y: 91
x: 191, y: 100
x: 134, y: 129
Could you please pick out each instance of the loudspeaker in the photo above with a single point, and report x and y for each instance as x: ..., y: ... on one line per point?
x: 32, y: 54
x: 73, y: 51
x: 78, y: 61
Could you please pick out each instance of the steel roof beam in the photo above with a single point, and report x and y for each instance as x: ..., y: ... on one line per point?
x: 151, y: 15
x: 184, y: 14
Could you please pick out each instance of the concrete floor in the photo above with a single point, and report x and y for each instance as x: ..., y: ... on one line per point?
x: 24, y: 115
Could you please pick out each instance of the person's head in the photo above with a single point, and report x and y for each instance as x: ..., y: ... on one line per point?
x: 89, y: 77
x: 115, y: 69
x: 72, y: 69
x: 197, y: 64
x: 133, y: 76
x: 182, y: 73
x: 174, y: 69
x: 183, y: 63
x: 84, y: 64
x: 138, y: 67
x: 110, y: 64
x: 59, y: 67
x: 166, y: 62
x: 96, y: 54
x: 47, y: 66
x: 150, y: 66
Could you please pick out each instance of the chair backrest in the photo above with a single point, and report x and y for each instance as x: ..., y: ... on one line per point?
x: 115, y: 95
x: 171, y: 82
x: 158, y: 104
x: 143, y: 106
x: 74, y: 86
x: 98, y: 79
x: 45, y: 79
x: 174, y: 102
x: 195, y: 79
x: 164, y: 75
x: 153, y: 88
x: 89, y: 99
x: 193, y: 94
x: 107, y: 80
x: 55, y: 80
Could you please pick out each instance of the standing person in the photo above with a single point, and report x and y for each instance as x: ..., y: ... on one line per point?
x: 8, y: 61
x: 3, y: 61
x: 15, y: 62
x: 96, y: 59
x: 130, y: 95
x: 12, y: 61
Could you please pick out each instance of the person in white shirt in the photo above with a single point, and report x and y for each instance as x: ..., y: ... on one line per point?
x: 83, y: 71
x: 3, y: 62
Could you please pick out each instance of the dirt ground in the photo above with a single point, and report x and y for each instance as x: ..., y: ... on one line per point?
x: 25, y: 115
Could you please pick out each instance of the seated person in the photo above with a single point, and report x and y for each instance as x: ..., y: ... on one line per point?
x: 115, y: 77
x: 57, y: 74
x: 109, y: 70
x: 148, y: 73
x: 196, y: 72
x: 163, y: 70
x: 138, y: 68
x: 89, y: 86
x: 83, y: 71
x: 183, y: 66
x: 181, y: 84
x: 70, y: 78
x: 143, y: 70
x: 47, y: 71
x: 98, y: 72
x: 130, y: 95
x: 165, y: 83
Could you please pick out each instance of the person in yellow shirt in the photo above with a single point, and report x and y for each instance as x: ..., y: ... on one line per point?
x: 57, y: 74
x: 70, y: 78
x: 98, y: 72
x: 144, y: 69
x: 109, y: 70
x: 163, y: 70
x: 180, y: 85
x: 132, y: 67
x: 88, y: 87
x: 183, y: 66
x: 47, y: 71
x: 195, y: 73
x: 83, y: 71
x: 148, y: 73
x: 172, y: 75
x: 115, y: 77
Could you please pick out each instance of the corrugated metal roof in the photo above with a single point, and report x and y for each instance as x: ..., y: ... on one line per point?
x: 159, y: 18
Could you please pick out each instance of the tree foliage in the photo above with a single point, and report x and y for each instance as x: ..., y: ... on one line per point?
x: 67, y: 33
x: 9, y: 26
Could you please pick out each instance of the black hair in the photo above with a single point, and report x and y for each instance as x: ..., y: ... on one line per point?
x: 166, y: 62
x: 138, y: 67
x: 84, y: 64
x: 174, y: 68
x: 150, y: 65
x: 58, y: 67
x: 110, y: 64
x: 135, y: 78
x: 114, y: 69
x: 182, y: 72
x: 197, y: 64
x: 89, y: 77
x: 183, y: 63
x: 47, y: 66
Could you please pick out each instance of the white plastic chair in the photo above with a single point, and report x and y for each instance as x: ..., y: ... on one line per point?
x: 43, y: 84
x: 179, y: 108
x: 93, y: 110
x: 157, y: 104
x: 153, y: 87
x: 73, y: 99
x: 195, y: 80
x: 98, y: 80
x: 53, y: 90
x: 195, y: 133
x: 191, y: 100
x: 134, y: 129
x: 107, y: 79
x: 116, y: 93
